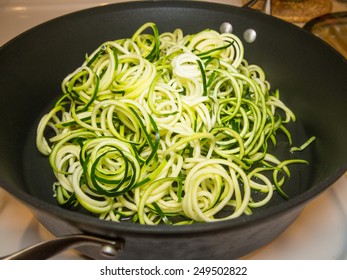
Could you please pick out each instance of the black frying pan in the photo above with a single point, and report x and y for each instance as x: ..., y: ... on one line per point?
x: 309, y: 73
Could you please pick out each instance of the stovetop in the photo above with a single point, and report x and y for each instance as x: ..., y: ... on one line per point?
x: 320, y: 232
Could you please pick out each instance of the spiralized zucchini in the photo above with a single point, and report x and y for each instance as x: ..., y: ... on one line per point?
x: 166, y: 128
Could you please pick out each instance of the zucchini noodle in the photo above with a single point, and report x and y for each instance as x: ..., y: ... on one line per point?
x: 166, y: 128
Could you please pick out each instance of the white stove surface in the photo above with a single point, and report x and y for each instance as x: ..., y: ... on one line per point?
x: 320, y: 232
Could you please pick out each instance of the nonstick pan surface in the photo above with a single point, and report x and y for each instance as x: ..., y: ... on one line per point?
x: 310, y: 75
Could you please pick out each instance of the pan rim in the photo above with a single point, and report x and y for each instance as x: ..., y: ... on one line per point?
x: 76, y: 218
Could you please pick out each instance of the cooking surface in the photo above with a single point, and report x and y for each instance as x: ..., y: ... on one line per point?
x: 319, y: 233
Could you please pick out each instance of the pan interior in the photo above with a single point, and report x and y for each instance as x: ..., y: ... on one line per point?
x: 39, y: 177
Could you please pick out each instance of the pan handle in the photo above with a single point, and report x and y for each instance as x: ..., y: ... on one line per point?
x: 47, y: 249
x: 267, y: 6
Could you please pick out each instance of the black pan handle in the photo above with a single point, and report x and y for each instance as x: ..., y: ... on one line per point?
x: 48, y: 249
